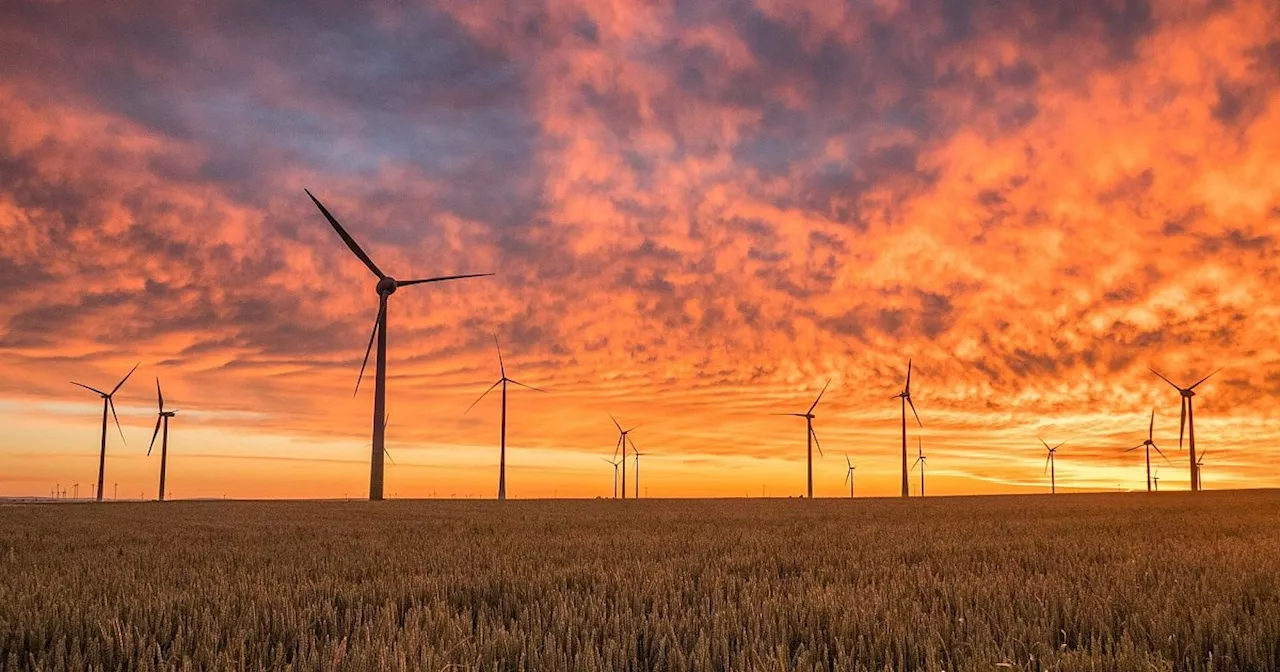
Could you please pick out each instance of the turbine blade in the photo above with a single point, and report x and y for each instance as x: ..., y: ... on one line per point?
x: 907, y: 389
x: 1060, y: 445
x: 444, y: 278
x: 159, y: 397
x: 1182, y: 424
x: 112, y: 404
x: 846, y: 477
x: 388, y: 453
x: 535, y: 389
x: 153, y: 435
x: 126, y: 377
x: 1201, y: 458
x: 501, y: 367
x: 817, y: 443
x: 1046, y: 446
x: 382, y: 305
x: 795, y: 415
x: 615, y: 422
x: 1151, y: 430
x: 847, y: 463
x: 1135, y: 447
x: 346, y: 238
x: 1164, y: 379
x: 1204, y: 379
x: 473, y: 404
x: 1046, y: 464
x: 1161, y: 453
x: 91, y: 389
x: 912, y: 404
x: 824, y: 391
x: 616, y: 447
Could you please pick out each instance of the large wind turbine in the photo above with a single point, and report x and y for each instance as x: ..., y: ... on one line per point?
x: 1051, y: 465
x: 502, y: 459
x: 386, y: 286
x: 1149, y: 444
x: 624, y: 435
x: 848, y: 474
x: 810, y: 435
x: 920, y: 461
x: 161, y: 419
x: 905, y: 396
x: 1188, y: 421
x: 107, y: 403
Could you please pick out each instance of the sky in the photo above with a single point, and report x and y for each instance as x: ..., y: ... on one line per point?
x: 698, y: 213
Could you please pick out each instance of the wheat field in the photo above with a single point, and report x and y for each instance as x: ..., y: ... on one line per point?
x: 1172, y: 581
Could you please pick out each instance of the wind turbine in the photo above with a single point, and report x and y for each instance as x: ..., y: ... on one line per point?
x: 615, y: 464
x: 161, y: 419
x: 1188, y: 421
x: 386, y: 286
x: 905, y: 395
x: 1051, y: 465
x: 107, y: 403
x: 920, y: 461
x: 636, y: 454
x: 1157, y: 478
x: 502, y: 459
x: 810, y: 435
x: 1149, y: 444
x: 624, y: 435
x: 848, y: 474
x: 1200, y: 463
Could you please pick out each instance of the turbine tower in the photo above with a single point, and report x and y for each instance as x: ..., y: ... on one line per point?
x: 920, y: 461
x: 810, y: 435
x: 386, y: 286
x: 161, y: 419
x: 107, y: 403
x: 1149, y: 444
x: 624, y: 436
x: 1051, y: 464
x: 848, y: 474
x: 502, y: 458
x: 1188, y: 421
x: 905, y: 396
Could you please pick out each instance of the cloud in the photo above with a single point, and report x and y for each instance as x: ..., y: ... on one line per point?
x: 1035, y: 201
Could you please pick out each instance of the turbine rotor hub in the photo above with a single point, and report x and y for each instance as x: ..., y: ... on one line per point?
x: 1188, y: 393
x: 387, y: 285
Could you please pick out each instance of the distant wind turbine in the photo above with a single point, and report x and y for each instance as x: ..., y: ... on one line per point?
x: 107, y: 403
x: 636, y: 454
x: 920, y: 462
x: 1157, y: 478
x: 905, y: 396
x: 1149, y: 444
x: 1188, y: 421
x: 1199, y: 464
x: 848, y: 474
x: 615, y: 464
x: 386, y: 286
x: 1051, y: 465
x: 624, y: 435
x: 502, y: 459
x: 810, y: 435
x: 161, y: 419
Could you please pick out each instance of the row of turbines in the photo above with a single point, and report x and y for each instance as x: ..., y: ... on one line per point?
x: 387, y: 285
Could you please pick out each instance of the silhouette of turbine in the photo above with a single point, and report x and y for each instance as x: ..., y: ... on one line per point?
x: 848, y: 474
x: 624, y: 436
x: 1200, y: 463
x: 502, y: 459
x: 1051, y: 464
x: 161, y: 419
x: 905, y: 396
x: 615, y: 464
x: 386, y: 286
x: 108, y: 402
x: 1188, y: 421
x: 810, y: 436
x: 921, y: 457
x: 1149, y: 444
x: 636, y: 454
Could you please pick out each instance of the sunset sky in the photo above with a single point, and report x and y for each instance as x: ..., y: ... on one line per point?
x: 698, y: 213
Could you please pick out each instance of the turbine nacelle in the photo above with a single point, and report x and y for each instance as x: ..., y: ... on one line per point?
x: 387, y: 286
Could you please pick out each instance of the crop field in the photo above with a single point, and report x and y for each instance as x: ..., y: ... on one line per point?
x: 1172, y: 581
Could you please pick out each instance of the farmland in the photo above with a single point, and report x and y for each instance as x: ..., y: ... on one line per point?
x: 1111, y: 582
